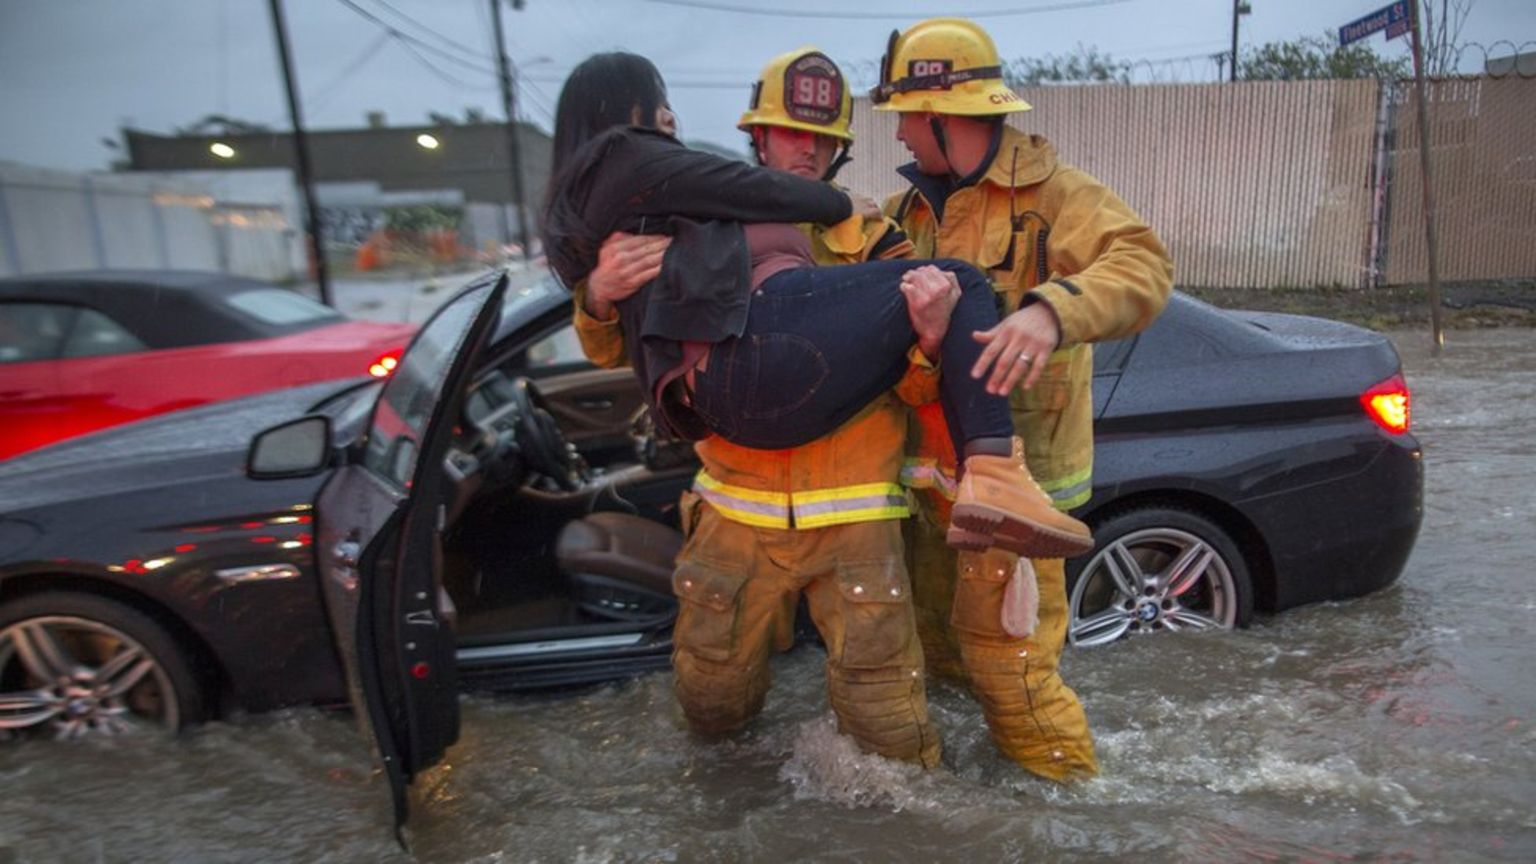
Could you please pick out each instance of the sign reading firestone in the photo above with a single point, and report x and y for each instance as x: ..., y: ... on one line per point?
x: 1393, y: 18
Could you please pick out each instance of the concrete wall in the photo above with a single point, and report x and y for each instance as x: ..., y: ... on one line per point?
x: 55, y: 220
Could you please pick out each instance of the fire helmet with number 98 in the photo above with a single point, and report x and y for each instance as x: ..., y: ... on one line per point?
x: 804, y: 90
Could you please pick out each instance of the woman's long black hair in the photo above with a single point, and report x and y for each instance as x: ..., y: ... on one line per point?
x: 607, y: 91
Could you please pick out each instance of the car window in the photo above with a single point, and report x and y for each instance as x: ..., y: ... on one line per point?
x: 557, y: 349
x: 277, y: 306
x: 1109, y: 357
x: 405, y: 406
x: 96, y: 335
x: 33, y: 331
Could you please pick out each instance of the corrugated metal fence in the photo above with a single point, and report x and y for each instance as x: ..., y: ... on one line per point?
x: 1276, y: 183
x: 1482, y: 136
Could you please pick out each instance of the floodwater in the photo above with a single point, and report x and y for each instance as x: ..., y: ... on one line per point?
x: 1397, y: 727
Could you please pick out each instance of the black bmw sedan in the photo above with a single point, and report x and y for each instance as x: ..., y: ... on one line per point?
x: 498, y: 515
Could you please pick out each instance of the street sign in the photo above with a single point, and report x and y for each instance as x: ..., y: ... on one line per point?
x: 1393, y: 18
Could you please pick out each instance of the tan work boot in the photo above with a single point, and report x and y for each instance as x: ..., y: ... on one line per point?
x: 1000, y: 504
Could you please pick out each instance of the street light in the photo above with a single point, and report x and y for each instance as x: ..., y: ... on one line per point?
x: 221, y: 150
x: 427, y: 141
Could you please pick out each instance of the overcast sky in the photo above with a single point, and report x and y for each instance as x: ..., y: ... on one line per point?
x: 73, y: 71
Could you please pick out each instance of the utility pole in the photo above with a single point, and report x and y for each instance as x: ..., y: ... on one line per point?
x: 301, y: 158
x: 1429, y: 199
x: 514, y: 152
x: 1239, y: 9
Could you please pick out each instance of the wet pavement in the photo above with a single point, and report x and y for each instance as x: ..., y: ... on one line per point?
x: 1400, y: 726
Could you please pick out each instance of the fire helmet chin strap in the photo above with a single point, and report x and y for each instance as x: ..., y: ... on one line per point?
x: 938, y: 138
x: 954, y: 172
x: 844, y: 156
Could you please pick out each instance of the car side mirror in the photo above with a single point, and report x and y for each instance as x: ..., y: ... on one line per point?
x: 297, y: 448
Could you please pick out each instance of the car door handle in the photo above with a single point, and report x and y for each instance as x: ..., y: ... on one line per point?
x: 345, y: 554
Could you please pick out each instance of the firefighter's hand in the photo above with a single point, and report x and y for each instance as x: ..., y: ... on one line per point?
x: 931, y: 297
x: 1018, y: 348
x: 624, y: 264
x: 864, y: 207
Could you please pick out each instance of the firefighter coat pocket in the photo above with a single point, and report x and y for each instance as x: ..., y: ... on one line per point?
x: 877, y: 623
x: 709, y: 612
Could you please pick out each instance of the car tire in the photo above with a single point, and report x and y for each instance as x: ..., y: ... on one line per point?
x: 1124, y: 587
x: 77, y: 665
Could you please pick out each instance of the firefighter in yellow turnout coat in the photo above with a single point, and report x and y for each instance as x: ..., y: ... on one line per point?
x: 1072, y: 264
x: 765, y: 526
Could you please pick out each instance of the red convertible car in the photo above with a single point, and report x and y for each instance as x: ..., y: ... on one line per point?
x: 84, y: 351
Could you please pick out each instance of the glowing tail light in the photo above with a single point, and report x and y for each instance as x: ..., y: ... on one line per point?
x: 384, y: 364
x: 1389, y: 404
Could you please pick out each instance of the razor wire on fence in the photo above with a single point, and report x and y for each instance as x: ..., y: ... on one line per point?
x: 1521, y: 59
x: 1503, y: 58
x: 1291, y: 183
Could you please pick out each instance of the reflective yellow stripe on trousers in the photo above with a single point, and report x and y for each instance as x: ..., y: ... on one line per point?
x: 815, y: 508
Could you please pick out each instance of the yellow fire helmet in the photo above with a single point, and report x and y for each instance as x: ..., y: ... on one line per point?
x: 802, y: 89
x: 944, y: 66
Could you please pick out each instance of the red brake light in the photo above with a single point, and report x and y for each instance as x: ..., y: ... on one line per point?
x: 384, y: 364
x: 1389, y: 403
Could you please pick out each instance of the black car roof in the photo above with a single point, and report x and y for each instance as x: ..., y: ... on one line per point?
x: 162, y: 308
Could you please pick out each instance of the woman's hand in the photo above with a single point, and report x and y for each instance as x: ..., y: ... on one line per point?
x: 1019, y: 347
x: 931, y: 297
x: 624, y: 264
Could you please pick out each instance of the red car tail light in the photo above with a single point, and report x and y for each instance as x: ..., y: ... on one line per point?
x: 1389, y: 403
x: 385, y: 364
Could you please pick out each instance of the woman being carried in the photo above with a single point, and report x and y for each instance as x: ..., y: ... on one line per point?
x: 741, y: 335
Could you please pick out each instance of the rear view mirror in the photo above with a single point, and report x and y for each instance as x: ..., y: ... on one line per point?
x: 295, y: 449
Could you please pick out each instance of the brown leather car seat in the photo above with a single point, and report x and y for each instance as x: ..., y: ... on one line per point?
x: 619, y: 565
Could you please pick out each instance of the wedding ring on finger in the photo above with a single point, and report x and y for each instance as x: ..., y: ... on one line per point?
x: 1022, y: 358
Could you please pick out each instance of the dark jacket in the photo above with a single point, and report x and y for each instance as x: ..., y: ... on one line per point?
x: 646, y: 182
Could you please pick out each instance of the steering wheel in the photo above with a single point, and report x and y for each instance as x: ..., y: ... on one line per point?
x: 543, y: 445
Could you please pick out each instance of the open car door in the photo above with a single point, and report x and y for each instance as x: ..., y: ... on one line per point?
x: 379, y: 534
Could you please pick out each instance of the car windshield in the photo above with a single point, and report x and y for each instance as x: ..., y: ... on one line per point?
x: 413, y: 391
x: 528, y: 302
x: 280, y: 307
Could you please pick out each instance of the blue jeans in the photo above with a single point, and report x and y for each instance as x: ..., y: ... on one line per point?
x: 823, y: 342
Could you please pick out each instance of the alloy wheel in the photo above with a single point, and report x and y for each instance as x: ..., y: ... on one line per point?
x: 1153, y: 579
x: 76, y: 677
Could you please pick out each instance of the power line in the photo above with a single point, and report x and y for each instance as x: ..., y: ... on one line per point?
x: 885, y: 16
x: 744, y: 86
x: 412, y: 43
x: 224, y: 57
x: 420, y: 58
x: 426, y: 29
x: 739, y: 84
x: 330, y: 87
x: 571, y: 37
x: 538, y: 97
